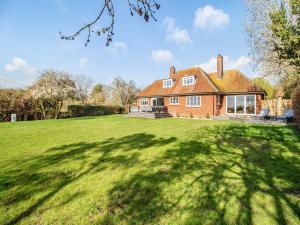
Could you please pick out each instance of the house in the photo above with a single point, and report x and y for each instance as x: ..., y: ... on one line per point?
x: 193, y: 92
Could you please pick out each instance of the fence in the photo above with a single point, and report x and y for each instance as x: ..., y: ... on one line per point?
x: 277, y: 106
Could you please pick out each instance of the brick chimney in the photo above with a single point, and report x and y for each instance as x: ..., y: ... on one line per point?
x: 219, y: 67
x: 172, y: 71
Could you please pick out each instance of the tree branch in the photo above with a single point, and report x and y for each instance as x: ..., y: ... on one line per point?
x: 145, y: 8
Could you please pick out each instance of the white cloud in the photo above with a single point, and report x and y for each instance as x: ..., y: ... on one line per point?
x: 174, y: 33
x: 161, y: 56
x: 241, y: 63
x: 210, y: 18
x: 82, y: 62
x: 117, y: 47
x: 20, y: 65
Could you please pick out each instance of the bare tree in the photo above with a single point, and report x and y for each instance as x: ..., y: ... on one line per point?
x: 83, y: 87
x: 145, y: 8
x: 124, y: 92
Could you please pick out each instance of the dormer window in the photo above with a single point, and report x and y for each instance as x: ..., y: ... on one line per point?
x: 167, y: 83
x: 188, y: 80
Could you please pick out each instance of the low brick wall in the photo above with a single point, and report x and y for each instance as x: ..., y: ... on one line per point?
x: 277, y: 106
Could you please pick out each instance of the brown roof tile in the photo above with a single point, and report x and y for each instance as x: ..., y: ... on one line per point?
x: 233, y: 82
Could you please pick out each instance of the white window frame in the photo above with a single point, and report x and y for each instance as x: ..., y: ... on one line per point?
x: 194, y: 96
x: 172, y: 101
x: 167, y: 83
x: 143, y: 100
x: 245, y: 106
x: 186, y: 81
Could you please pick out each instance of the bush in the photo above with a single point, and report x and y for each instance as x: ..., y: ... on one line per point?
x: 93, y: 110
x: 296, y: 104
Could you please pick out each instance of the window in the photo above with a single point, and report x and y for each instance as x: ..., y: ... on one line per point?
x: 144, y: 102
x: 230, y: 104
x: 167, y: 83
x: 193, y: 101
x: 250, y: 104
x: 188, y: 80
x: 174, y: 100
x: 241, y: 104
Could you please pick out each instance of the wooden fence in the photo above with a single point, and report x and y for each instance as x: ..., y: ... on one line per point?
x: 277, y: 106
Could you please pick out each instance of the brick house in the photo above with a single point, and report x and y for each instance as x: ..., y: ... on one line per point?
x: 193, y: 92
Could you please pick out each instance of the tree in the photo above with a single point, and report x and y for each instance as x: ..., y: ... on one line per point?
x: 83, y: 87
x: 51, y: 89
x: 289, y: 83
x: 143, y: 8
x: 273, y: 29
x: 124, y: 92
x: 99, y: 94
x: 265, y: 85
x: 16, y: 101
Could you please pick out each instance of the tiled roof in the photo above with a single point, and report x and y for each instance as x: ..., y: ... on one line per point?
x: 233, y: 81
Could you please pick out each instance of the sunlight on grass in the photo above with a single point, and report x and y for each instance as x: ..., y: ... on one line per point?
x: 116, y: 170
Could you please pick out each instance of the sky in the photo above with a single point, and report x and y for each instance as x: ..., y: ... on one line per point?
x: 187, y: 33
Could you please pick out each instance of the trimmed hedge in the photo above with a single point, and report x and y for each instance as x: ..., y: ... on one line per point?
x: 94, y: 110
x: 296, y: 104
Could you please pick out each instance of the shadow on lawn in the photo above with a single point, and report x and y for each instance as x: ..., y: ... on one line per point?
x: 31, y: 177
x: 211, y: 178
x: 214, y: 179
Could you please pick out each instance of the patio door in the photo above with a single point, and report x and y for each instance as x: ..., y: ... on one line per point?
x: 157, y: 102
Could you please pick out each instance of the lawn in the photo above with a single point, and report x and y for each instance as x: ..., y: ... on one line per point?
x: 117, y: 170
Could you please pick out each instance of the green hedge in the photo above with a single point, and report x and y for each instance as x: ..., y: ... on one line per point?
x: 296, y: 104
x: 93, y: 110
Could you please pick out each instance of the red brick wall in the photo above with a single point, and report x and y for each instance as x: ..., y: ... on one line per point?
x: 208, y: 106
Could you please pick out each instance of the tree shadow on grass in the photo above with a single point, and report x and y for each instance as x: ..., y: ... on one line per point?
x: 223, y: 175
x: 27, y: 184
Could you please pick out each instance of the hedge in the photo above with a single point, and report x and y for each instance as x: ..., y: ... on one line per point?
x: 93, y: 110
x: 296, y: 104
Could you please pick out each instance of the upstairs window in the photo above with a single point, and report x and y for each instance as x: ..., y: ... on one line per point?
x: 189, y: 80
x: 144, y: 102
x: 167, y: 83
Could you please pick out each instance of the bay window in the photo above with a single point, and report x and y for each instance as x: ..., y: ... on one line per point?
x: 241, y: 104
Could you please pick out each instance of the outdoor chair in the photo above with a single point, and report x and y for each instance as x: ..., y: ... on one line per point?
x: 288, y: 115
x: 264, y: 114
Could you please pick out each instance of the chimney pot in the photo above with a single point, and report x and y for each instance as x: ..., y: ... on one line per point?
x: 219, y: 67
x: 172, y: 71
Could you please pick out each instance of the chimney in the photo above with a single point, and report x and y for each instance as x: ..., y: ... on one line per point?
x: 172, y: 71
x: 219, y: 67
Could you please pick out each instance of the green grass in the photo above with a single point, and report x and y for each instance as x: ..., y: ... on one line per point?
x: 116, y: 170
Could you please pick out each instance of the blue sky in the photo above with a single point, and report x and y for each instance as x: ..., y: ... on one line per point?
x: 187, y: 33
